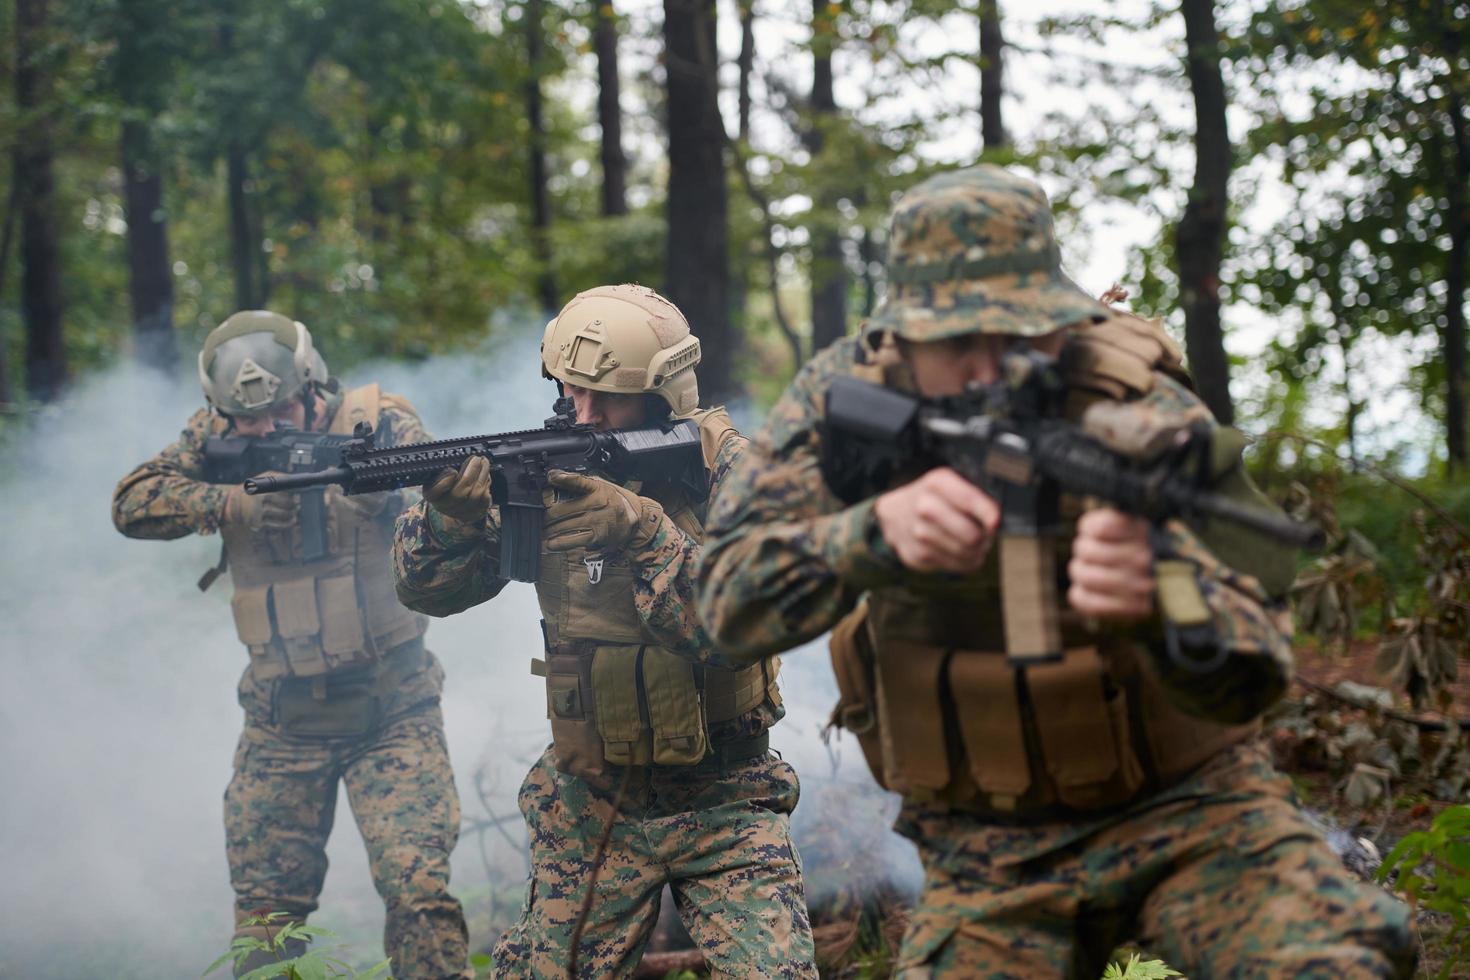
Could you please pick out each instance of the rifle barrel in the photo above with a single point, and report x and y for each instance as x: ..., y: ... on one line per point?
x: 296, y: 481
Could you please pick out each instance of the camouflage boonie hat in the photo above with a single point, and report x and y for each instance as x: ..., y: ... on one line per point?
x: 974, y: 251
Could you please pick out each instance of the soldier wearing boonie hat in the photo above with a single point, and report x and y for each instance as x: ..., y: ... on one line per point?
x: 1059, y: 807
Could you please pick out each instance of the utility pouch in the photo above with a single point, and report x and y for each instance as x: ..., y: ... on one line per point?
x: 251, y: 608
x: 857, y: 703
x: 326, y: 706
x: 675, y: 709
x: 569, y: 706
x: 988, y: 707
x: 1082, y: 724
x: 342, y: 634
x: 299, y: 625
x: 911, y: 717
x: 615, y: 682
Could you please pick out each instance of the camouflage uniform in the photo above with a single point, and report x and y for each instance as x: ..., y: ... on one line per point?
x: 280, y: 804
x: 717, y: 833
x: 1211, y: 866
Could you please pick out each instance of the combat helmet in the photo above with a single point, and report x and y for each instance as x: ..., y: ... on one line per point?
x: 975, y: 251
x: 256, y: 360
x: 625, y: 339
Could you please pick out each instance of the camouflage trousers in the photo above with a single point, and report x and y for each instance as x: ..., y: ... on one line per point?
x: 1221, y: 876
x: 279, y: 809
x: 720, y: 842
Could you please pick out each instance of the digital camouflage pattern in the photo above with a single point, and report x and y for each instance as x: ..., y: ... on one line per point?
x: 444, y: 566
x: 974, y: 251
x: 721, y: 842
x: 281, y: 800
x: 1219, y: 871
x: 279, y: 810
x: 1219, y: 876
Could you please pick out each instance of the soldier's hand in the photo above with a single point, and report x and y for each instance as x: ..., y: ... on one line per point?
x: 596, y: 515
x: 261, y: 512
x: 940, y: 522
x: 1112, y: 566
x: 463, y: 494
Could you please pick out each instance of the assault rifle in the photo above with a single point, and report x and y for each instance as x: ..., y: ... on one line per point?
x: 519, y: 464
x: 238, y: 459
x: 1009, y: 439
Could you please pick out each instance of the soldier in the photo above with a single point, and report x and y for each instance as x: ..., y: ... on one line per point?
x: 1058, y: 807
x: 339, y: 686
x: 659, y: 771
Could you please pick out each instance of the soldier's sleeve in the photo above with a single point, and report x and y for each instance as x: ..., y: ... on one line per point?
x: 1242, y: 577
x: 163, y: 498
x: 784, y: 559
x: 442, y: 566
x: 663, y: 592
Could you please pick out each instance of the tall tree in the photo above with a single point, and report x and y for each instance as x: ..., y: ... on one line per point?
x: 992, y: 77
x: 40, y: 253
x: 141, y: 75
x: 1200, y: 235
x: 609, y: 111
x: 745, y: 64
x: 533, y: 19
x: 698, y: 271
x: 828, y: 268
x: 1454, y: 148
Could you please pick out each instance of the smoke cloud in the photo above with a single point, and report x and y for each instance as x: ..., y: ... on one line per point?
x: 118, y: 719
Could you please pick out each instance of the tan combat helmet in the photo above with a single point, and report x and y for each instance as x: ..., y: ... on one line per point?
x: 974, y: 251
x: 256, y: 360
x: 625, y: 339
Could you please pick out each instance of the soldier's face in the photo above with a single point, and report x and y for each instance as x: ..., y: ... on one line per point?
x: 945, y: 367
x: 290, y: 412
x: 606, y: 409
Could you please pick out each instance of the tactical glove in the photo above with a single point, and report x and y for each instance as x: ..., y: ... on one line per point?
x: 598, y: 516
x: 261, y: 512
x: 464, y: 494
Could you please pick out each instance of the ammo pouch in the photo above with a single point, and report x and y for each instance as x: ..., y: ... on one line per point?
x: 624, y: 705
x: 343, y: 704
x: 967, y: 728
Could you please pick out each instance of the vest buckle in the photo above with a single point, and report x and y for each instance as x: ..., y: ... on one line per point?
x: 594, y: 569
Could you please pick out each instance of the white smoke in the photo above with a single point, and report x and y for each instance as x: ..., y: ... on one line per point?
x: 118, y: 719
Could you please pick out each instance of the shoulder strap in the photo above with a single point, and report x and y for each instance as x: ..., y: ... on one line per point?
x: 358, y: 405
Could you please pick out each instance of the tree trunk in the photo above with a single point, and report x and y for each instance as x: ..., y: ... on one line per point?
x: 609, y: 111
x: 40, y: 252
x: 540, y: 194
x: 7, y: 235
x: 698, y: 269
x: 868, y: 254
x: 1457, y: 221
x: 992, y: 77
x: 1200, y: 235
x: 243, y: 243
x: 151, y: 280
x: 828, y: 270
x: 746, y: 63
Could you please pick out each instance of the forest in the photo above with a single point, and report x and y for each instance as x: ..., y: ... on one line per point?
x: 1285, y: 183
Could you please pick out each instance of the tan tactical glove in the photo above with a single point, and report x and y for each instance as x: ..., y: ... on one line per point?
x: 464, y: 494
x: 261, y: 512
x: 598, y: 516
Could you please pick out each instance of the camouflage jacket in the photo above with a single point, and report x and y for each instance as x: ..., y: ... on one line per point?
x: 166, y: 498
x: 786, y: 559
x: 444, y: 566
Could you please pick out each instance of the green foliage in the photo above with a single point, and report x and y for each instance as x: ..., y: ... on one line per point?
x: 282, y: 933
x: 1433, y: 873
x: 1138, y: 968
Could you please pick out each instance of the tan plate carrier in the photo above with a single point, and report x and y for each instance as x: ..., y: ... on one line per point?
x: 308, y: 619
x: 613, y: 695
